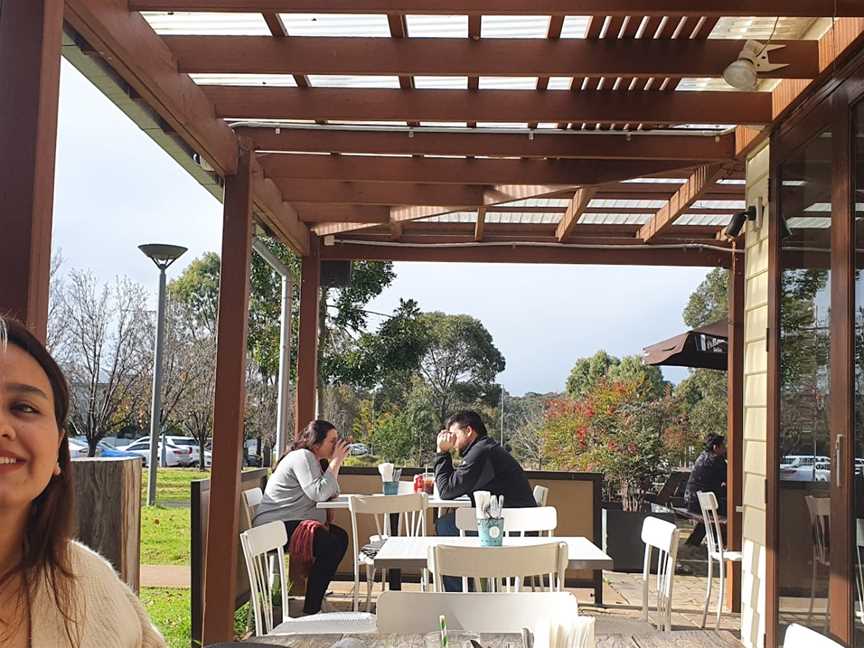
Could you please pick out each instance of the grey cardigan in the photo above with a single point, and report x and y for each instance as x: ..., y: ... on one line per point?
x: 294, y: 489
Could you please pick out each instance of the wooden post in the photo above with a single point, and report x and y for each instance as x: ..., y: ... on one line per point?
x: 220, y: 559
x: 31, y: 33
x: 307, y: 352
x: 735, y: 427
x: 108, y: 511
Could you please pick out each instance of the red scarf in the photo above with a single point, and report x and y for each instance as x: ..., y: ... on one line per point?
x: 300, y: 548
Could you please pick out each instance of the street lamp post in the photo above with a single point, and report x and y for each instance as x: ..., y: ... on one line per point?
x: 163, y: 256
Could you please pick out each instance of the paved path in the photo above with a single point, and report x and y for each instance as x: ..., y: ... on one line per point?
x: 165, y: 576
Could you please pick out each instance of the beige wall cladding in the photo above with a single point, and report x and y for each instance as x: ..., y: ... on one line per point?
x: 755, y: 412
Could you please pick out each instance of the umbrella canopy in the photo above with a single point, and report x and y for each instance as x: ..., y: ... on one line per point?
x: 704, y: 347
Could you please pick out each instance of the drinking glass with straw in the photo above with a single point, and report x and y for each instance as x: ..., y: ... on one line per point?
x: 442, y: 624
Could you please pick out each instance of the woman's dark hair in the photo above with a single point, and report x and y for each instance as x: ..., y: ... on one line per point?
x: 466, y: 418
x: 714, y: 440
x: 45, y: 553
x: 314, y: 433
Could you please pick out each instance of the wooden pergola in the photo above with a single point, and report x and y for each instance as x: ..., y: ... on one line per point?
x: 587, y: 131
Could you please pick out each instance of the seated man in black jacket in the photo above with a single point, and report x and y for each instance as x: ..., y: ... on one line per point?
x: 708, y: 474
x: 485, y: 466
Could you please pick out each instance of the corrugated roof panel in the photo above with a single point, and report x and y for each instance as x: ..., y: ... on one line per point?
x: 514, y: 27
x: 539, y: 202
x: 343, y: 25
x: 508, y: 83
x: 813, y: 222
x: 453, y: 217
x: 205, y: 23
x: 719, y: 204
x: 441, y: 82
x: 589, y: 218
x: 352, y: 81
x: 699, y: 83
x: 703, y: 219
x: 245, y: 79
x: 502, y: 125
x: 560, y: 83
x: 608, y: 203
x: 547, y: 125
x: 437, y: 26
x: 655, y: 181
x: 444, y: 124
x: 761, y: 28
x: 525, y: 218
x: 575, y: 26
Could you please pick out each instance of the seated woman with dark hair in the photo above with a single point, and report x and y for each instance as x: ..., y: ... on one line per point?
x: 54, y: 591
x: 303, y: 477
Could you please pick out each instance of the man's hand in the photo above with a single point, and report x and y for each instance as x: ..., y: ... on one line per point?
x: 445, y: 441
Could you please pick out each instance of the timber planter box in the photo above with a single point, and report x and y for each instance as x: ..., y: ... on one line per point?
x: 622, y: 536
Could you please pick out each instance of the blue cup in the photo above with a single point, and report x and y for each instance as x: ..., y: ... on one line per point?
x: 391, y: 487
x: 491, y: 531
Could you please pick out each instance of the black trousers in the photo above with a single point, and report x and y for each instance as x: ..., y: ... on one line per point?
x: 328, y: 548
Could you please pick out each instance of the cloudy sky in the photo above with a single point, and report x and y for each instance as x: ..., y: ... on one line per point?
x: 116, y: 189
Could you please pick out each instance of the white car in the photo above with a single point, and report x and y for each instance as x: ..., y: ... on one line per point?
x: 191, y: 443
x: 77, y: 448
x: 174, y: 454
x: 803, y: 467
x: 358, y: 449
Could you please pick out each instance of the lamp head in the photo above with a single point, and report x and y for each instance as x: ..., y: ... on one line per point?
x: 741, y: 73
x: 161, y: 254
x: 736, y: 224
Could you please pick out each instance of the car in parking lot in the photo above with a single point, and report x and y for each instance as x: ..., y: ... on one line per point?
x: 358, y: 449
x: 175, y: 455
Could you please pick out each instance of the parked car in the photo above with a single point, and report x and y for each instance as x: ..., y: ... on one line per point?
x: 105, y: 449
x: 174, y: 455
x: 822, y: 471
x: 801, y: 467
x: 188, y: 442
x: 358, y: 449
x: 78, y: 448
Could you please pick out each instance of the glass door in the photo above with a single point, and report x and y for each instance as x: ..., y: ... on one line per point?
x: 856, y: 571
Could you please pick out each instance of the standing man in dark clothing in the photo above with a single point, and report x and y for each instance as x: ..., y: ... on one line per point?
x: 708, y: 474
x: 485, y: 466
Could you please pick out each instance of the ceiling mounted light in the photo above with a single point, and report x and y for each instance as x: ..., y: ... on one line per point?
x: 742, y: 73
x: 733, y: 229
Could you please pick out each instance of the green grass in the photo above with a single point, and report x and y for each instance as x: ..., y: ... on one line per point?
x: 165, y: 535
x: 169, y: 609
x: 362, y: 461
x: 172, y: 484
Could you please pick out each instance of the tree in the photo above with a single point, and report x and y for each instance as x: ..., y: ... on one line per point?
x: 709, y: 302
x: 587, y: 372
x: 109, y: 348
x: 194, y: 412
x: 461, y: 363
x: 523, y: 419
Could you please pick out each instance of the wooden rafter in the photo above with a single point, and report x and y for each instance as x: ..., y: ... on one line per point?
x: 324, y: 213
x: 770, y: 8
x: 279, y: 215
x: 489, y: 56
x: 690, y: 192
x: 461, y: 171
x: 489, y: 105
x: 480, y: 225
x: 541, y: 144
x: 578, y: 204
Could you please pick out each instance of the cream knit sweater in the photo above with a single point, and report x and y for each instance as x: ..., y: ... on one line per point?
x: 106, y: 612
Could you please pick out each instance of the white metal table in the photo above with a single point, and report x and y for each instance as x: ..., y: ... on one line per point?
x: 341, y: 502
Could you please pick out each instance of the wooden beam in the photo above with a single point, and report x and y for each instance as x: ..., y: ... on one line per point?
x: 689, y: 193
x: 515, y: 253
x: 127, y: 43
x: 541, y: 144
x: 324, y: 213
x: 735, y: 426
x: 578, y: 205
x: 711, y: 8
x: 380, y: 193
x: 356, y: 168
x: 306, y: 407
x: 325, y: 229
x: 281, y: 217
x: 489, y: 105
x: 30, y: 39
x: 488, y: 56
x: 480, y: 225
x: 220, y: 556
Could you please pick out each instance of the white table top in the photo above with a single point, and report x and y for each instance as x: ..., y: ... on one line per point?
x: 406, y: 552
x: 341, y: 502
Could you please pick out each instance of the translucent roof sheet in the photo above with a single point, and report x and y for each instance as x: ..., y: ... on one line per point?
x: 360, y: 81
x: 626, y: 203
x: 203, y: 23
x: 575, y: 26
x: 539, y: 202
x: 719, y: 204
x: 761, y: 28
x: 244, y: 79
x: 732, y: 181
x: 374, y: 25
x: 508, y: 83
x: 437, y: 26
x: 455, y: 217
x: 703, y: 219
x: 560, y: 83
x: 547, y: 125
x: 523, y: 218
x: 589, y: 218
x: 699, y: 83
x: 813, y: 222
x: 444, y: 124
x: 502, y: 124
x: 514, y: 27
x: 441, y: 82
x: 367, y: 123
x: 655, y: 181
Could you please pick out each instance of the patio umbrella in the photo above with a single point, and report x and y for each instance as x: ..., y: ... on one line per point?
x: 704, y: 347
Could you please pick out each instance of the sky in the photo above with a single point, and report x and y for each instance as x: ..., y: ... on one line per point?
x: 116, y: 189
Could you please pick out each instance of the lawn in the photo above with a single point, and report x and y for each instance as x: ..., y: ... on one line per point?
x: 168, y: 608
x: 172, y: 484
x: 165, y: 535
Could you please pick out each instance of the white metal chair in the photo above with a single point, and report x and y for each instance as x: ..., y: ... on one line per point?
x: 541, y: 494
x: 251, y: 499
x: 499, y: 564
x: 819, y: 509
x: 258, y: 543
x: 798, y: 636
x: 418, y: 612
x: 409, y: 507
x: 663, y: 536
x: 517, y: 521
x: 716, y: 551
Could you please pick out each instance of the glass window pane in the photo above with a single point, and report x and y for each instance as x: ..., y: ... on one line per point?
x: 858, y: 479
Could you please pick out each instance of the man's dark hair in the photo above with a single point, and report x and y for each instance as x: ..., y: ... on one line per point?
x: 714, y: 440
x: 466, y: 418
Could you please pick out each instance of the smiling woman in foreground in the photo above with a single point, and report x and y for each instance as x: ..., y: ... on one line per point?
x: 53, y: 590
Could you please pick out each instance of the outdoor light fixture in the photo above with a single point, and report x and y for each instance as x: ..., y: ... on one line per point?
x: 742, y: 74
x: 733, y: 229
